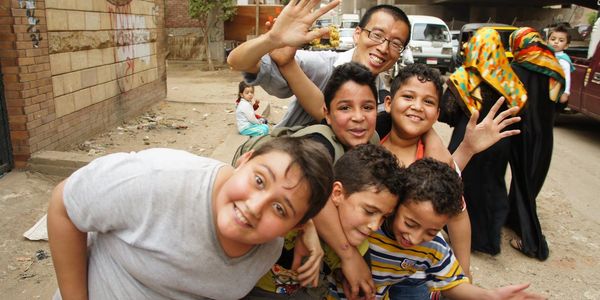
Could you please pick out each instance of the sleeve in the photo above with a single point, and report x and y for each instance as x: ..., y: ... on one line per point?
x: 248, y: 111
x: 567, y: 70
x: 445, y: 273
x: 316, y: 65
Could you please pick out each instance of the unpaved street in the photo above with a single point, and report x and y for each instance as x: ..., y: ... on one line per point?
x: 568, y: 205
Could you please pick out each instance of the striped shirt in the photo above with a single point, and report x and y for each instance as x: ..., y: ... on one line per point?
x: 432, y: 263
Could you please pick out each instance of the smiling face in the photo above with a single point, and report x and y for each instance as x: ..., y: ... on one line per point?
x: 417, y: 222
x: 352, y: 113
x: 362, y: 212
x: 414, y: 109
x: 379, y: 57
x: 262, y: 200
x: 558, y: 41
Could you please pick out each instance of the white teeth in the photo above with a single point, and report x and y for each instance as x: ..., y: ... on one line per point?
x: 376, y: 59
x: 241, y: 217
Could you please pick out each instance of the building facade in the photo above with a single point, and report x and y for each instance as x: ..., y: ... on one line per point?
x: 74, y: 68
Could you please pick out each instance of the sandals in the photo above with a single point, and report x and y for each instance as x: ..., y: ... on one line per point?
x: 517, y: 243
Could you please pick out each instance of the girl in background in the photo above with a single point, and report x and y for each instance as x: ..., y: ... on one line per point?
x: 247, y: 122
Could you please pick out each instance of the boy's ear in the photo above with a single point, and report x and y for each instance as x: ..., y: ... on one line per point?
x: 326, y: 114
x: 388, y: 103
x: 337, y: 193
x: 243, y: 159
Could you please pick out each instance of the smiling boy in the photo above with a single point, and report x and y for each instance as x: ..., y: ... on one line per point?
x: 168, y: 224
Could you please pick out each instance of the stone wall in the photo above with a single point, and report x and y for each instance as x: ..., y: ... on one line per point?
x: 82, y: 68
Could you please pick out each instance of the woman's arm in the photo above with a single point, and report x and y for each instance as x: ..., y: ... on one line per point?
x: 69, y: 249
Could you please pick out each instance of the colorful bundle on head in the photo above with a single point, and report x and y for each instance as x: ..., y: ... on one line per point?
x: 531, y: 51
x: 485, y: 61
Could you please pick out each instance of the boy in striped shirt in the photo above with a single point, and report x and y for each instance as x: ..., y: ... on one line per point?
x: 409, y: 251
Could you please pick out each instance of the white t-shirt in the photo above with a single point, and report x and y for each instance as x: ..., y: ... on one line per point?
x: 156, y: 238
x: 244, y: 114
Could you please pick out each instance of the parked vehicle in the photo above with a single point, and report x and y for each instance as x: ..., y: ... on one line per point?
x: 468, y: 30
x: 585, y: 80
x: 350, y: 20
x: 430, y: 42
x: 346, y: 39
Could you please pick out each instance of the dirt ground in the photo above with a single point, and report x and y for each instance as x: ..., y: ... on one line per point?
x: 198, y: 115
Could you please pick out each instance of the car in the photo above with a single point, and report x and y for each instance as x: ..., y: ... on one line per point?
x: 454, y: 34
x: 468, y: 30
x: 346, y: 39
x: 430, y: 42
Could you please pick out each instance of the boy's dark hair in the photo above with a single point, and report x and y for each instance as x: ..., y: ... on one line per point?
x: 563, y: 29
x: 367, y: 166
x: 394, y: 11
x: 241, y: 87
x: 423, y: 72
x: 430, y: 180
x: 314, y: 162
x: 348, y: 72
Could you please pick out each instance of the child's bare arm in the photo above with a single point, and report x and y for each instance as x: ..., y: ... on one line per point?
x: 309, y: 95
x: 467, y: 291
x: 69, y: 249
x: 434, y: 147
x: 459, y: 231
x: 308, y: 245
x: 291, y: 29
x: 486, y: 133
x: 355, y: 269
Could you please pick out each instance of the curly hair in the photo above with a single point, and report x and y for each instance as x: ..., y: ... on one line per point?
x: 369, y: 166
x: 423, y: 73
x: 348, y: 72
x: 431, y: 180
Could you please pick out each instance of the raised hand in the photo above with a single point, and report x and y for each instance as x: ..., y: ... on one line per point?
x: 293, y: 24
x: 486, y: 133
x: 308, y: 245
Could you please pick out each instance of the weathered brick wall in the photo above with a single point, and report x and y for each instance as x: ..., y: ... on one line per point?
x: 176, y: 15
x: 91, y: 65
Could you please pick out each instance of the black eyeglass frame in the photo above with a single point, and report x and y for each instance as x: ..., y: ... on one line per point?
x: 391, y: 45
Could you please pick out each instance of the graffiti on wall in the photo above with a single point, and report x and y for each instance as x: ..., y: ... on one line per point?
x: 33, y: 30
x: 131, y: 36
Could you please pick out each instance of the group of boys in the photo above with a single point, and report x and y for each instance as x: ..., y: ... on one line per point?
x: 171, y: 225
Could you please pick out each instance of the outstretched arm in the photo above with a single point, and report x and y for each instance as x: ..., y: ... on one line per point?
x: 459, y: 231
x: 308, y: 94
x: 69, y: 249
x: 291, y: 29
x: 467, y: 291
x: 479, y: 137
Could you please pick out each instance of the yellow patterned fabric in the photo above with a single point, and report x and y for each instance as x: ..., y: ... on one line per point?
x: 485, y: 61
x: 532, y: 52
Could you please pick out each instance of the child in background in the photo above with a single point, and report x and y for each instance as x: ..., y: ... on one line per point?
x: 367, y: 182
x: 409, y: 251
x: 559, y: 39
x: 247, y: 121
x: 168, y: 224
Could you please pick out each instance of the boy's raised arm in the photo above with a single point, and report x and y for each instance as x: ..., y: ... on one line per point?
x: 292, y: 28
x: 69, y: 249
x: 308, y: 94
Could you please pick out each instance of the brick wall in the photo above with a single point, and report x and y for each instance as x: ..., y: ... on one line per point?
x: 88, y: 66
x: 176, y: 15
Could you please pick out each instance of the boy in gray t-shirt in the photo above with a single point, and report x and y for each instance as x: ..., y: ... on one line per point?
x: 168, y: 224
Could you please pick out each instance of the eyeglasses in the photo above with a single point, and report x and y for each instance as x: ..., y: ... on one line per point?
x: 375, y: 36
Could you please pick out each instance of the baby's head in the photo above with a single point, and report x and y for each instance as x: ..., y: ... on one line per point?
x: 432, y: 195
x: 280, y: 185
x: 559, y: 38
x: 415, y: 98
x: 367, y: 183
x: 350, y: 104
x: 245, y: 91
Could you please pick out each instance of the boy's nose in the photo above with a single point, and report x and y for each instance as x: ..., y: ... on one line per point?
x: 256, y: 205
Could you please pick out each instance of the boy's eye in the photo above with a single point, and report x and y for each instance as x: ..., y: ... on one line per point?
x: 345, y: 107
x: 368, y: 107
x: 369, y: 211
x: 410, y: 225
x: 430, y: 101
x: 259, y: 182
x: 407, y: 97
x: 279, y: 209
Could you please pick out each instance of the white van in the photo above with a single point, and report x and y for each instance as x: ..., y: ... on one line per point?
x: 430, y: 42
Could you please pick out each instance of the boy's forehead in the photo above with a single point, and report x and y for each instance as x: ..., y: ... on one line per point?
x: 558, y: 34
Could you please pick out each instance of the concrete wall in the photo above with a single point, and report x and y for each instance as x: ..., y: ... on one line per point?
x: 83, y: 68
x: 185, y: 37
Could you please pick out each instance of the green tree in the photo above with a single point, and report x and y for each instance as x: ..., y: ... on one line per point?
x: 208, y: 13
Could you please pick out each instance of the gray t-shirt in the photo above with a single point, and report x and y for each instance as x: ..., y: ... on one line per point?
x: 318, y: 67
x: 155, y: 232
